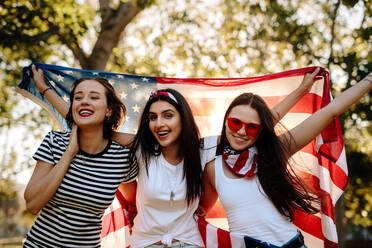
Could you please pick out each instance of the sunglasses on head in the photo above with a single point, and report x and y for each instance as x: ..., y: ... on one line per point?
x: 251, y: 129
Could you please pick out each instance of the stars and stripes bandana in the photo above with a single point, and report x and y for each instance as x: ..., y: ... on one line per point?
x: 321, y: 164
x: 241, y: 163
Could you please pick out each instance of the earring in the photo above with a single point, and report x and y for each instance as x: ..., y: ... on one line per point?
x: 157, y: 150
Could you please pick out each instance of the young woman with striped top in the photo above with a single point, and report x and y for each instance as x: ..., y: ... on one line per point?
x: 78, y: 173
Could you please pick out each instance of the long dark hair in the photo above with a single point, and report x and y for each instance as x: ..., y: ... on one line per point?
x: 190, y: 142
x: 118, y: 109
x: 277, y: 178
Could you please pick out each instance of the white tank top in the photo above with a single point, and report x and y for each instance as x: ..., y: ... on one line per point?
x: 249, y: 211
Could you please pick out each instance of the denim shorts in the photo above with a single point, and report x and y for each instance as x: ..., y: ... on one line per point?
x: 296, y: 242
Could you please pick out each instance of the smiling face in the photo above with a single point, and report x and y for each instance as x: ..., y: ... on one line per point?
x: 240, y: 139
x: 89, y: 105
x: 165, y: 123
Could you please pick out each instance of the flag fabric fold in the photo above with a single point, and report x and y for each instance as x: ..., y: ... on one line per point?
x: 321, y: 164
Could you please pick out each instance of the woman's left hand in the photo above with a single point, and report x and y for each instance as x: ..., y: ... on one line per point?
x: 309, y: 80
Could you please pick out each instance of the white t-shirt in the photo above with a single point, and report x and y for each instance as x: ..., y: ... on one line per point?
x: 248, y: 209
x: 158, y: 218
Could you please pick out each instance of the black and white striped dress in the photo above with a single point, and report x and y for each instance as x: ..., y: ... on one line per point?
x: 72, y: 217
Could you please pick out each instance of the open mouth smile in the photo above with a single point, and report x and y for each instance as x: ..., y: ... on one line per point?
x: 85, y: 112
x: 162, y: 134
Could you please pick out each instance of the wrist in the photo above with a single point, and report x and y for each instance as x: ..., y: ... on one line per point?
x: 45, y: 90
x: 70, y: 153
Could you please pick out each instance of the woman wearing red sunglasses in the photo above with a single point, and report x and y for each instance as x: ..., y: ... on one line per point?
x: 250, y: 174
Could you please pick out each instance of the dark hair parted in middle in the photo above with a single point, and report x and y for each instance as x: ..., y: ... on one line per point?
x: 189, y: 141
x: 280, y: 183
x: 119, y: 111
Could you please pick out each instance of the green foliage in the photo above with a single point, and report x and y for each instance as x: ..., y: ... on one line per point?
x: 358, y: 195
x: 36, y: 23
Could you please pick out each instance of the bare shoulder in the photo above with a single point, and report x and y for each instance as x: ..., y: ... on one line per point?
x: 124, y: 139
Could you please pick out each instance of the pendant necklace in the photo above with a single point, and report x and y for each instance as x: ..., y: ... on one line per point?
x: 172, y: 173
x: 171, y: 181
x: 172, y: 193
x: 171, y: 198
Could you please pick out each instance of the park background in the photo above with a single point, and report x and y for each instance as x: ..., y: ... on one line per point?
x: 180, y: 38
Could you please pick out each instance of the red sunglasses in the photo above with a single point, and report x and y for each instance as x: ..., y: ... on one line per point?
x: 251, y: 129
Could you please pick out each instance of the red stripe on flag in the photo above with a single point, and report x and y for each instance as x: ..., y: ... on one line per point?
x: 324, y: 196
x: 223, y: 238
x: 202, y: 224
x: 206, y: 106
x: 308, y: 223
x: 330, y: 244
x: 311, y: 224
x: 112, y: 222
x: 302, y: 106
x: 335, y: 145
x: 337, y: 174
x: 228, y: 82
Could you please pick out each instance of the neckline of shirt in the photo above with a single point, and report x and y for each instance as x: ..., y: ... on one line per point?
x: 94, y: 155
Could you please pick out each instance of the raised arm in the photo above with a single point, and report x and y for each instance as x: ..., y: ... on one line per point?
x: 284, y: 106
x: 62, y: 107
x: 46, y: 177
x: 48, y: 92
x: 313, y: 125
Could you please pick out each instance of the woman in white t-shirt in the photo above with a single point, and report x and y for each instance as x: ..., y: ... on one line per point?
x: 171, y: 158
x: 250, y: 176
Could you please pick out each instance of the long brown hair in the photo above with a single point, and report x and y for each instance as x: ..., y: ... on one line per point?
x: 190, y: 142
x: 119, y: 111
x: 276, y: 176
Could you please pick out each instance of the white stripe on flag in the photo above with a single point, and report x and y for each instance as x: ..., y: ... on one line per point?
x: 211, y: 236
x: 329, y: 228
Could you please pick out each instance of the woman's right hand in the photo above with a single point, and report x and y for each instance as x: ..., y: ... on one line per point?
x: 200, y: 212
x: 73, y: 144
x: 38, y: 77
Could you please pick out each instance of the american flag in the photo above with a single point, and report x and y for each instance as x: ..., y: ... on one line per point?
x: 322, y: 163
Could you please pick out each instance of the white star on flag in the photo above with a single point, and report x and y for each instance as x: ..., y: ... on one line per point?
x: 136, y: 108
x: 70, y: 72
x: 66, y: 98
x: 52, y: 83
x: 123, y: 95
x: 145, y: 79
x: 95, y: 73
x: 120, y: 76
x: 60, y: 78
x: 134, y: 85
